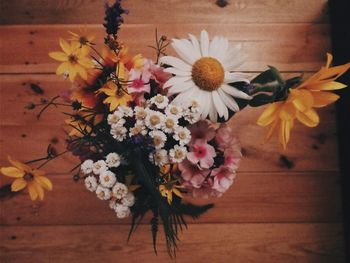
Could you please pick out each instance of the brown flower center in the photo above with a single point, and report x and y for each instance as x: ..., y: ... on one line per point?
x: 28, y: 177
x: 208, y: 73
x: 73, y: 59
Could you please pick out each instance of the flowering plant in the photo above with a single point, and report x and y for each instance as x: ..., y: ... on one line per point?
x: 149, y: 133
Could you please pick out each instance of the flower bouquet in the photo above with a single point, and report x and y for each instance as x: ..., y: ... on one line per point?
x: 149, y: 133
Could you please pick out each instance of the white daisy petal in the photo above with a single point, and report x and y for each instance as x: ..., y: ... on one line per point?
x: 235, y: 92
x: 196, y: 47
x: 175, y: 62
x: 234, y: 63
x: 236, y: 77
x: 182, y: 51
x: 204, y: 43
x: 205, y: 101
x: 175, y: 80
x: 229, y: 101
x: 212, y: 111
x: 182, y: 98
x: 177, y: 88
x: 178, y: 72
x: 220, y: 105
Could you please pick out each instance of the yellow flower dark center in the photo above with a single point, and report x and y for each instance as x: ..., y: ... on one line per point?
x: 83, y: 40
x: 72, y: 59
x: 28, y: 177
x: 208, y: 73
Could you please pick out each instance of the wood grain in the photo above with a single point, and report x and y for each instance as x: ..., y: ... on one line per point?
x: 249, y: 243
x: 165, y: 11
x: 289, y: 47
x: 254, y: 197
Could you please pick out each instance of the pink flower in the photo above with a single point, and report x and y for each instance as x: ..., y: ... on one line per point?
x: 158, y: 74
x: 206, y: 190
x: 232, y: 159
x: 201, y: 152
x: 202, y: 130
x: 192, y: 175
x: 223, y: 178
x: 224, y: 137
x: 139, y: 81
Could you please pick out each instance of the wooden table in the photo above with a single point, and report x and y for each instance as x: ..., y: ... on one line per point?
x: 285, y: 206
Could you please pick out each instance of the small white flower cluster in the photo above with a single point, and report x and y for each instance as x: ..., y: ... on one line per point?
x: 104, y: 183
x: 160, y: 120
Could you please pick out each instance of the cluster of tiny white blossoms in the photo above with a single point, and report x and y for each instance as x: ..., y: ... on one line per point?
x: 160, y: 120
x: 101, y: 180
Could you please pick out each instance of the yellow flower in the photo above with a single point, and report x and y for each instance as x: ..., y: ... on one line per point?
x: 28, y: 177
x: 169, y: 187
x: 115, y: 96
x: 83, y: 38
x: 301, y: 101
x: 74, y: 60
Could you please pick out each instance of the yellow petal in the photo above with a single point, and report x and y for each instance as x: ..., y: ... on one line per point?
x: 269, y: 114
x: 81, y: 71
x: 329, y: 60
x: 309, y: 118
x: 39, y: 190
x: 271, y: 130
x: 333, y: 73
x: 12, y: 172
x: 85, y: 62
x: 286, y: 126
x: 64, y: 67
x: 32, y: 191
x: 177, y: 192
x: 18, y: 185
x: 19, y: 165
x: 59, y: 56
x: 44, y: 182
x: 287, y: 112
x: 323, y: 98
x: 170, y: 197
x: 328, y: 85
x: 302, y: 99
x: 65, y: 46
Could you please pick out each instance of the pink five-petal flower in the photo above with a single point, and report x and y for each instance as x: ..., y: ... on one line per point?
x: 232, y: 159
x: 139, y: 81
x: 202, y: 130
x: 223, y: 178
x: 192, y: 176
x: 225, y: 138
x: 201, y: 152
x: 158, y: 74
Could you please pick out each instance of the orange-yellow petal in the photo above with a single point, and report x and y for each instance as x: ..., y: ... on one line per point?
x: 32, y: 191
x: 62, y: 68
x: 59, y: 56
x: 309, y: 118
x: 65, y: 46
x: 324, y: 98
x: 19, y: 165
x: 44, y: 182
x: 286, y: 126
x: 39, y: 190
x: 12, y: 172
x: 269, y: 114
x: 327, y: 85
x: 287, y: 112
x: 18, y: 184
x: 302, y: 99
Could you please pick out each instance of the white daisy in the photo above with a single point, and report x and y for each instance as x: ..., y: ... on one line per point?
x: 182, y: 135
x: 154, y: 119
x: 107, y: 179
x: 128, y: 200
x: 170, y: 123
x: 119, y: 190
x: 192, y: 115
x: 140, y: 113
x: 159, y: 157
x: 160, y: 101
x: 86, y: 166
x: 177, y: 154
x: 125, y: 110
x: 122, y: 211
x: 99, y: 167
x: 113, y: 160
x: 114, y: 117
x: 203, y: 72
x: 118, y: 132
x: 139, y: 128
x: 103, y: 193
x: 159, y: 139
x: 91, y: 183
x: 174, y: 110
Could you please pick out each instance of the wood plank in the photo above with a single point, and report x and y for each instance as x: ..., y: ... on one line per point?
x: 254, y: 197
x: 310, y: 149
x: 247, y: 243
x: 179, y: 11
x: 289, y: 47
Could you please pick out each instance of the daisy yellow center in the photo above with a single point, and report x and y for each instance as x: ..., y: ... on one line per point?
x: 208, y: 73
x: 154, y: 120
x: 169, y: 123
x: 179, y: 154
